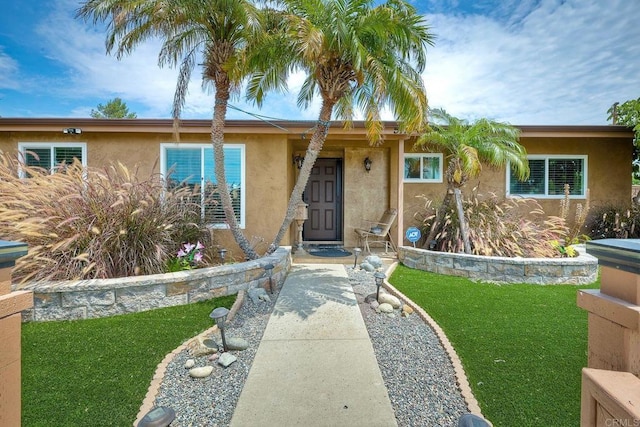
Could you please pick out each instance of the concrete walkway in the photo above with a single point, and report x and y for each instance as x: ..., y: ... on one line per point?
x: 315, y: 365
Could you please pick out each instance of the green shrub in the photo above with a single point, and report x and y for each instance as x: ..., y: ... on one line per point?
x: 614, y: 222
x: 83, y: 223
x: 515, y: 227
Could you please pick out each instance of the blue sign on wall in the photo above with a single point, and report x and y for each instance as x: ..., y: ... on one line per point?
x: 413, y: 234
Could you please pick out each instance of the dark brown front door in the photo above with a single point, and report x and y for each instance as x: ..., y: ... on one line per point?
x: 324, y: 197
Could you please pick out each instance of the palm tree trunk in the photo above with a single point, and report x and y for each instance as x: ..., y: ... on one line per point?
x: 217, y: 140
x: 437, y: 224
x: 313, y: 150
x: 464, y: 231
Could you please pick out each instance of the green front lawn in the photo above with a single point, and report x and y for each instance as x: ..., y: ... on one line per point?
x: 96, y: 372
x: 522, y: 346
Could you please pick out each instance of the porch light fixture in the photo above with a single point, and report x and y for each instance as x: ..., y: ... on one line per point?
x: 269, y: 270
x: 72, y: 131
x: 297, y: 160
x: 367, y: 164
x: 356, y: 251
x: 379, y: 276
x: 222, y: 252
x: 219, y: 315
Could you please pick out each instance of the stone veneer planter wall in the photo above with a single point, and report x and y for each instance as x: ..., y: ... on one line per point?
x: 580, y: 270
x: 108, y: 297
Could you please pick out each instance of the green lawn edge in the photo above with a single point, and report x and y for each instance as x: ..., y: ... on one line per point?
x: 522, y: 346
x: 97, y: 371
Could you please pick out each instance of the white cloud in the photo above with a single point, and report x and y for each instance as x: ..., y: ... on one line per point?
x: 8, y: 72
x: 564, y: 63
x: 525, y: 62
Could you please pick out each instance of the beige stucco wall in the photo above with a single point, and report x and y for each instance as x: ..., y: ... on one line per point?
x: 270, y: 173
x: 366, y: 195
x: 609, y: 175
x: 267, y: 173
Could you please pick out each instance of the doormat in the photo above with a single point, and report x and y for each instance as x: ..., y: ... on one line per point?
x: 328, y: 252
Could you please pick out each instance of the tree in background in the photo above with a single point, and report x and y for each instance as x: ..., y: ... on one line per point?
x: 467, y: 146
x: 628, y: 114
x: 114, y: 109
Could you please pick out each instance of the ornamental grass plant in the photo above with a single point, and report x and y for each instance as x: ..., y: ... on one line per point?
x: 614, y: 222
x: 514, y: 227
x: 85, y: 223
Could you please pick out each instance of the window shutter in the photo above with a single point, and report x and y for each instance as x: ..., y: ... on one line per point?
x: 38, y: 157
x: 566, y: 171
x: 534, y: 185
x: 195, y: 167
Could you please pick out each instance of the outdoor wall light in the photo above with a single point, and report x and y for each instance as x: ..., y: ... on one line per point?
x: 72, y: 131
x: 367, y: 164
x: 220, y: 316
x: 222, y: 252
x: 379, y: 276
x: 297, y: 160
x: 269, y: 270
x: 356, y: 251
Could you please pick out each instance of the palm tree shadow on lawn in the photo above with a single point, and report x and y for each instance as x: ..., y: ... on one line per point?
x: 304, y: 292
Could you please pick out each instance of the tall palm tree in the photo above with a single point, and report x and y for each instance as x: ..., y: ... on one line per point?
x: 358, y: 58
x: 216, y: 35
x: 467, y: 147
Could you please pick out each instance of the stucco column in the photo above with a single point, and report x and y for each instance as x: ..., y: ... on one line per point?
x: 11, y: 305
x: 611, y: 384
x: 400, y: 191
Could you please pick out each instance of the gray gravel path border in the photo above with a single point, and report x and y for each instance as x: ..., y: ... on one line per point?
x: 423, y: 374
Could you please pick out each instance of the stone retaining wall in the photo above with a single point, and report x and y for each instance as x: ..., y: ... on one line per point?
x: 87, y: 299
x: 580, y: 270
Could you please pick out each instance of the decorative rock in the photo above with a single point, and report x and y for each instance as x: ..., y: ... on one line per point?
x: 214, y: 356
x: 367, y: 267
x: 201, y: 372
x: 190, y: 363
x: 258, y: 294
x: 385, y: 308
x: 374, y: 260
x: 226, y: 359
x: 202, y: 346
x: 375, y: 304
x: 389, y: 299
x: 236, y: 343
x: 407, y: 310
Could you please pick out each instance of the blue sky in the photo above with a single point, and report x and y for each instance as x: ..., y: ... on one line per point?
x: 526, y: 62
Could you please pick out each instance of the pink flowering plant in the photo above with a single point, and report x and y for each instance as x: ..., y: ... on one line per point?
x: 187, y: 258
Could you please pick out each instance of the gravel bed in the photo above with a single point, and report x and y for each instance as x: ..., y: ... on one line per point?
x: 211, y: 401
x: 415, y: 368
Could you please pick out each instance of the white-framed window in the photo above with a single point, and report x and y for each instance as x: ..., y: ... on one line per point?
x: 548, y: 175
x: 423, y: 167
x: 193, y: 165
x: 51, y: 155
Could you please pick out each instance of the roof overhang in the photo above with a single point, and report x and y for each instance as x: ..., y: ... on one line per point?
x: 296, y: 129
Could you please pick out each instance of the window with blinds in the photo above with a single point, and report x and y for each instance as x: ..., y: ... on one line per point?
x: 193, y: 165
x: 423, y: 167
x: 50, y: 156
x: 548, y: 176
